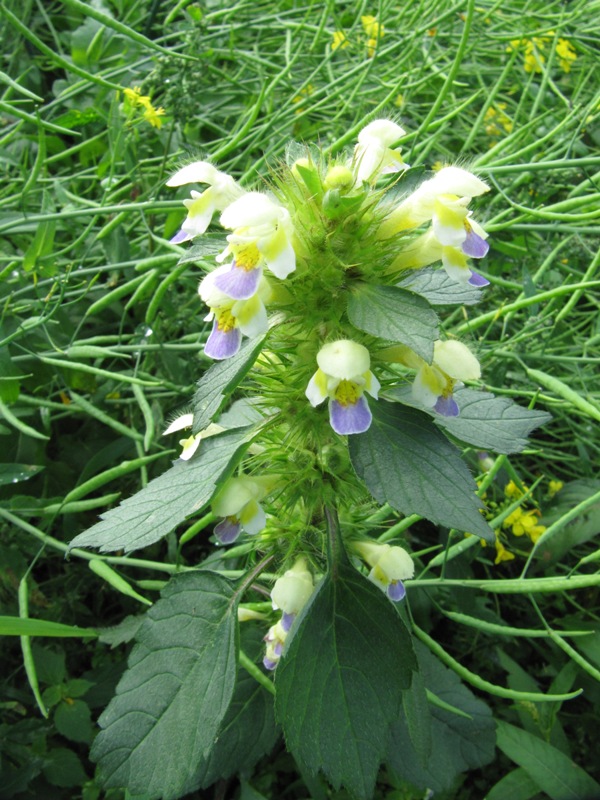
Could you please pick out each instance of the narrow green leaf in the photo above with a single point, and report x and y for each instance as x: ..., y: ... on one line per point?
x: 219, y: 381
x: 396, y: 315
x: 176, y: 690
x: 14, y: 473
x: 516, y: 785
x: 340, y: 680
x: 16, y: 626
x: 439, y: 289
x: 407, y: 462
x: 553, y: 771
x: 157, y: 509
x: 458, y: 743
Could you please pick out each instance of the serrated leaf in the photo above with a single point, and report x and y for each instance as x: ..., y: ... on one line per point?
x: 407, y: 462
x: 396, y: 315
x: 458, y: 744
x: 63, y: 768
x: 74, y: 721
x: 175, y: 693
x: 553, y: 771
x: 485, y: 421
x: 340, y: 680
x: 248, y: 730
x: 157, y: 509
x: 219, y: 381
x: 440, y: 289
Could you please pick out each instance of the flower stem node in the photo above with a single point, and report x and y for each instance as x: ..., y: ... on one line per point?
x: 222, y: 190
x: 238, y: 505
x: 390, y: 566
x: 343, y: 377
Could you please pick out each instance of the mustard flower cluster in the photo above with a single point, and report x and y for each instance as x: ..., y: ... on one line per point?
x: 536, y: 49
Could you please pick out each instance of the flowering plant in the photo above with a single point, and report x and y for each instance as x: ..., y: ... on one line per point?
x: 324, y: 291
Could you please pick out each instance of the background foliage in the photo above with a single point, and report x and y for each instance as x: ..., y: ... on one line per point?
x: 101, y: 339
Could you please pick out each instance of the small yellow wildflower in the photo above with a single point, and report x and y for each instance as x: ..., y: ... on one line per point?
x: 153, y: 116
x: 302, y: 95
x: 340, y: 40
x: 512, y: 490
x: 133, y: 95
x: 135, y: 99
x: 495, y: 117
x: 399, y: 101
x: 502, y: 554
x: 372, y: 29
x: 554, y: 487
x: 566, y: 54
x: 524, y: 523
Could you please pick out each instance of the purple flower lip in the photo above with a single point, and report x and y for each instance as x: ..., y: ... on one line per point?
x: 474, y: 245
x: 478, y: 280
x: 222, y: 344
x: 447, y: 406
x: 269, y: 663
x: 287, y: 621
x: 180, y: 237
x: 238, y: 283
x: 396, y: 591
x: 351, y: 418
x: 227, y: 531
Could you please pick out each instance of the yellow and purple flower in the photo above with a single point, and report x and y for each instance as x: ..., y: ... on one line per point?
x: 343, y: 376
x: 390, y: 567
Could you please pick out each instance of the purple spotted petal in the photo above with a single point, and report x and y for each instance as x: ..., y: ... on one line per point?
x: 227, y: 531
x: 474, y: 245
x: 181, y: 237
x: 222, y: 344
x: 478, y: 280
x: 286, y: 621
x: 396, y: 591
x: 446, y: 406
x: 269, y: 664
x: 353, y: 418
x: 238, y: 283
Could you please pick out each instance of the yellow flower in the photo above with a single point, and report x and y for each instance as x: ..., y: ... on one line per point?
x: 372, y: 29
x: 153, y: 116
x: 502, y: 554
x: 340, y: 40
x: 512, y: 490
x: 524, y: 523
x: 554, y: 487
x: 566, y: 54
x: 133, y: 95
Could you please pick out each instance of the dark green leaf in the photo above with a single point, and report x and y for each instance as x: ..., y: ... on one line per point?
x: 219, y: 381
x: 485, y: 421
x: 249, y: 729
x: 340, y: 680
x: 516, y: 785
x: 418, y: 718
x: 553, y: 771
x: 172, y: 699
x: 457, y: 743
x: 121, y: 633
x: 157, y: 509
x: 440, y: 289
x: 407, y: 462
x: 63, y: 768
x: 73, y: 720
x: 396, y: 315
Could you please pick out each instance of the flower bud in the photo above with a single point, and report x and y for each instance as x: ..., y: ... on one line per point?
x: 292, y: 591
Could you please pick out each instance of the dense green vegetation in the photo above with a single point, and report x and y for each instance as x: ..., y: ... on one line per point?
x: 102, y: 336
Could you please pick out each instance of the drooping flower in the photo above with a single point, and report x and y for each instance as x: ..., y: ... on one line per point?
x: 443, y: 200
x: 262, y: 234
x: 435, y: 383
x: 290, y: 594
x: 343, y: 376
x: 373, y: 155
x: 222, y: 191
x: 238, y: 505
x: 390, y: 566
x: 192, y: 443
x: 232, y: 318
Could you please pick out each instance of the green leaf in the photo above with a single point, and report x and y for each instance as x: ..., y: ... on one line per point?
x: 219, y: 381
x: 63, y: 768
x: 340, y: 680
x: 74, y: 721
x: 485, y: 421
x: 553, y: 771
x: 458, y: 744
x: 157, y: 509
x: 407, y: 462
x: 418, y: 718
x: 14, y: 473
x: 22, y: 626
x: 396, y: 315
x: 516, y: 785
x: 440, y: 289
x: 208, y: 246
x: 249, y: 729
x: 172, y: 699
